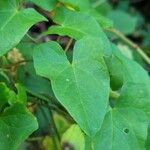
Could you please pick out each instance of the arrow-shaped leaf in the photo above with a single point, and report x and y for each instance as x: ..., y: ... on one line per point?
x: 15, y: 23
x: 126, y: 124
x: 82, y: 87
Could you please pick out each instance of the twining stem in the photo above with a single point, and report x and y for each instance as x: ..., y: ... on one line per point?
x: 31, y: 38
x: 16, y: 64
x: 53, y: 124
x: 97, y: 3
x: 114, y: 95
x: 130, y: 43
x: 68, y: 44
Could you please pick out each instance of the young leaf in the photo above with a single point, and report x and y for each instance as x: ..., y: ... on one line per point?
x: 21, y: 93
x: 126, y: 124
x: 85, y: 82
x: 16, y: 124
x: 19, y: 97
x: 14, y: 24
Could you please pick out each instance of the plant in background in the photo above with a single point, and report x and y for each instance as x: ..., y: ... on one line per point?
x: 75, y: 84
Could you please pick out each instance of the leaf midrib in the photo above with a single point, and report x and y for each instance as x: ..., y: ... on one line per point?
x: 81, y: 101
x: 9, y: 19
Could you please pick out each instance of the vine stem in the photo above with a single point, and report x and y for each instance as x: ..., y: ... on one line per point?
x: 68, y: 44
x: 130, y: 43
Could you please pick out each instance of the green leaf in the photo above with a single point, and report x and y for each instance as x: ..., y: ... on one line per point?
x: 126, y: 124
x: 16, y: 124
x: 8, y: 7
x: 21, y: 93
x: 75, y: 24
x: 85, y: 82
x: 73, y: 137
x: 123, y: 21
x: 78, y: 25
x: 9, y: 96
x: 45, y: 4
x: 14, y: 24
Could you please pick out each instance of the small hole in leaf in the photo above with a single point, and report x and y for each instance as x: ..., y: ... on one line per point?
x: 126, y: 130
x: 67, y: 146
